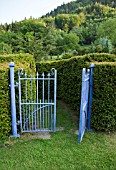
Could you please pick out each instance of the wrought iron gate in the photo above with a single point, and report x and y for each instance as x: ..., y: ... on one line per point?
x: 37, y: 101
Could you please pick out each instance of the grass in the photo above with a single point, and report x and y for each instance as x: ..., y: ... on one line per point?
x: 62, y: 152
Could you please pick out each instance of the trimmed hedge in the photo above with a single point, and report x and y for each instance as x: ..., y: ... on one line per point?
x: 100, y: 57
x: 69, y: 85
x: 25, y: 61
x: 104, y: 96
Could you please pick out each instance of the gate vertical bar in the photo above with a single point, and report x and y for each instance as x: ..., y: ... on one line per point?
x: 19, y: 74
x: 43, y: 87
x: 55, y: 88
x: 26, y: 112
x: 37, y: 98
x: 49, y: 100
x: 90, y: 96
x: 13, y: 103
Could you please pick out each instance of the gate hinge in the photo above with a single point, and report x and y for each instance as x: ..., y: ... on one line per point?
x: 18, y: 122
x: 16, y: 84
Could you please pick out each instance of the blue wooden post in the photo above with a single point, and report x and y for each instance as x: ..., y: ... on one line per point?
x: 13, y: 105
x: 90, y: 96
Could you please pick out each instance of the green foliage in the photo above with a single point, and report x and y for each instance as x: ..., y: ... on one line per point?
x: 100, y: 57
x: 66, y: 55
x: 69, y: 25
x: 5, y: 121
x: 30, y: 25
x: 79, y: 32
x: 5, y: 48
x: 104, y: 97
x: 69, y: 84
x: 70, y: 8
x: 97, y: 9
x: 108, y: 29
x: 105, y: 44
x: 69, y: 42
x: 50, y: 42
x: 66, y: 21
x: 22, y: 60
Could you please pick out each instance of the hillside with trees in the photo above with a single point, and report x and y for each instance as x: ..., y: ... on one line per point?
x: 71, y: 7
x: 75, y: 28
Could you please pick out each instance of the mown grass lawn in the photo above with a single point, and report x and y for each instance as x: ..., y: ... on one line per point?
x: 62, y: 152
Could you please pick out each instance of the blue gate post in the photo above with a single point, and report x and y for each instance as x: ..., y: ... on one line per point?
x: 92, y: 66
x: 55, y: 89
x: 13, y: 105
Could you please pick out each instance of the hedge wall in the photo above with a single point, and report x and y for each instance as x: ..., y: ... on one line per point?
x: 104, y: 96
x: 25, y: 61
x: 69, y: 85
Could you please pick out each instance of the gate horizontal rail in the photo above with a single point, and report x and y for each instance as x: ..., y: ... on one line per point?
x: 37, y: 103
x: 36, y: 78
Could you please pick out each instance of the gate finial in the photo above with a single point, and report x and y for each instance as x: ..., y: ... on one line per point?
x: 11, y: 64
x: 92, y: 65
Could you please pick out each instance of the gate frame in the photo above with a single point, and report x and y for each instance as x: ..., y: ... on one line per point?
x: 49, y: 104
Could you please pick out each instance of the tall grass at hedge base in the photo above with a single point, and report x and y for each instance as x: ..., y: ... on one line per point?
x: 25, y: 61
x: 69, y: 85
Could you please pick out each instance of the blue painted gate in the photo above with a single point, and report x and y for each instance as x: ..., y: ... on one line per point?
x: 38, y: 113
x: 36, y: 104
x: 86, y: 101
x: 37, y: 101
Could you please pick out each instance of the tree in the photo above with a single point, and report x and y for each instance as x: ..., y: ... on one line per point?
x: 49, y: 42
x: 37, y: 50
x: 66, y: 22
x: 108, y: 28
x: 34, y: 46
x: 5, y: 48
x: 79, y: 32
x: 88, y: 33
x: 68, y: 42
x: 74, y: 21
x: 105, y: 43
x: 62, y: 22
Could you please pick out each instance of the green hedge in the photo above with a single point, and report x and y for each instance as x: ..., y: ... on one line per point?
x: 5, y: 124
x: 69, y: 85
x: 100, y: 57
x: 25, y: 61
x: 104, y: 97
